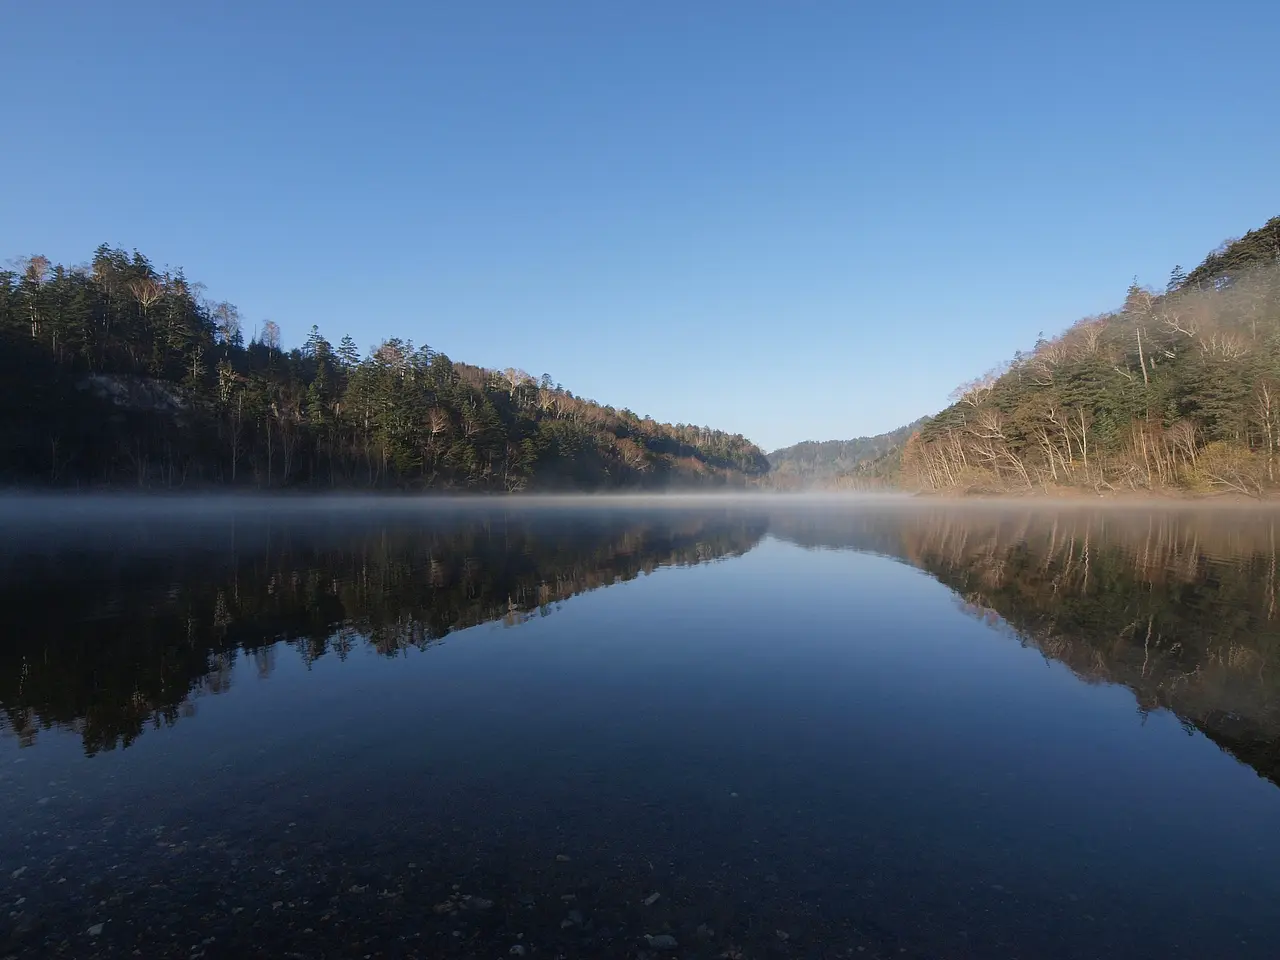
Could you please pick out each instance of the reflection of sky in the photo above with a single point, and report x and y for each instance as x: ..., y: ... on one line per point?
x: 844, y: 697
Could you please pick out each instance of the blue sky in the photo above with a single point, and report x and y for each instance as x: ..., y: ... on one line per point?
x: 793, y: 220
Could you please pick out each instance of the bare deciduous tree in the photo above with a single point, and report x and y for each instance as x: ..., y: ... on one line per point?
x: 974, y: 392
x: 227, y: 318
x: 146, y: 291
x: 1265, y: 409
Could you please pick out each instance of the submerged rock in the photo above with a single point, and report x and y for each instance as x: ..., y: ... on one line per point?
x: 663, y: 941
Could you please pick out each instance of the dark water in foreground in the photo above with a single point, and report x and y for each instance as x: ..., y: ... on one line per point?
x: 763, y: 730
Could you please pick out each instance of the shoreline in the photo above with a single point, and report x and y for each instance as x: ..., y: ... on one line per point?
x: 16, y: 503
x: 1076, y: 495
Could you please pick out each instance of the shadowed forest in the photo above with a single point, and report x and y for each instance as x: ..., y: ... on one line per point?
x: 117, y: 374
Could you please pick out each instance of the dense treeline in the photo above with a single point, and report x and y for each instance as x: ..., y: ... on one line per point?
x: 1177, y: 389
x: 116, y: 373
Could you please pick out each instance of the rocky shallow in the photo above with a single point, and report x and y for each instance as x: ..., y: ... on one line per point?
x: 178, y: 894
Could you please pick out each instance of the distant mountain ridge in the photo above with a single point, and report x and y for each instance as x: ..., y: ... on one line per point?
x: 830, y: 462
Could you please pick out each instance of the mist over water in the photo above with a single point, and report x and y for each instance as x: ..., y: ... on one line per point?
x: 812, y: 726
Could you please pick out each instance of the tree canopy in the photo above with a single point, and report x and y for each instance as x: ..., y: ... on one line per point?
x: 116, y: 373
x: 1177, y: 388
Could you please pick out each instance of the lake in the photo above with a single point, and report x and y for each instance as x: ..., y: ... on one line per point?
x: 741, y: 728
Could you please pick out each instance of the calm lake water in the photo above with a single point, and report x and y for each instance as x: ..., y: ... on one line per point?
x: 754, y: 728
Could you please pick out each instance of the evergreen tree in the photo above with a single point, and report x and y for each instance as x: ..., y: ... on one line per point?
x: 121, y: 375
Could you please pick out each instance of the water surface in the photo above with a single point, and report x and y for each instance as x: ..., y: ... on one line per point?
x: 755, y: 728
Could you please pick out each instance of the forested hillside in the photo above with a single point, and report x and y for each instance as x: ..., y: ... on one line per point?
x: 1177, y: 389
x: 118, y: 374
x: 832, y: 463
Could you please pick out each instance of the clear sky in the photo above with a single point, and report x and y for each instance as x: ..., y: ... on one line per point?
x: 796, y: 221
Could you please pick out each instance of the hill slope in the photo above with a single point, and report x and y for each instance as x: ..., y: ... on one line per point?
x: 1175, y: 389
x: 831, y: 462
x: 118, y: 374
